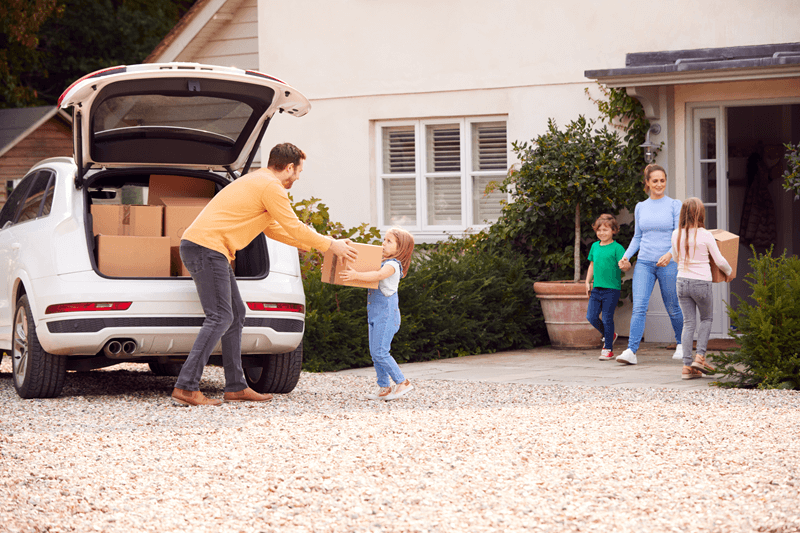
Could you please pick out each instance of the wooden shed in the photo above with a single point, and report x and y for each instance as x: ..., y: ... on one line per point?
x: 28, y: 135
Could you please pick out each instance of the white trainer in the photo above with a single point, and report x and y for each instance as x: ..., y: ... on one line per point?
x: 627, y: 357
x: 678, y: 352
x: 400, y: 390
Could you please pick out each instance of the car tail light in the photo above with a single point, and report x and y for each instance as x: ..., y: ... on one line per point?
x: 266, y: 306
x: 96, y: 74
x: 88, y: 306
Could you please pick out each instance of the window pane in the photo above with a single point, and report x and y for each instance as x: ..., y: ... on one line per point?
x: 711, y: 217
x: 48, y: 197
x: 486, y: 207
x: 708, y: 182
x: 33, y: 200
x: 444, y: 148
x: 489, y: 149
x: 399, y: 150
x: 15, y: 202
x: 708, y: 138
x: 444, y: 201
x: 399, y: 202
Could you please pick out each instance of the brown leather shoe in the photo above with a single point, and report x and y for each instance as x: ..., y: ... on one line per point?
x: 246, y: 395
x: 192, y: 397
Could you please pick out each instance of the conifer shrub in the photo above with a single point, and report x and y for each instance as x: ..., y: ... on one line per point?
x: 766, y: 326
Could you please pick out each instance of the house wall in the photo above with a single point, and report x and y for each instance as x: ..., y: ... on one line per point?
x: 51, y: 139
x: 360, y: 61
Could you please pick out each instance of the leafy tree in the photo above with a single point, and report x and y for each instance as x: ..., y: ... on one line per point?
x: 87, y: 35
x: 20, y: 22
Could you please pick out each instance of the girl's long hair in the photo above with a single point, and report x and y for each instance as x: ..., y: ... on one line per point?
x: 693, y: 216
x: 405, y: 248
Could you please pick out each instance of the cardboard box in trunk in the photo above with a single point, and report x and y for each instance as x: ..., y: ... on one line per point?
x: 139, y: 220
x: 133, y: 257
x: 369, y: 258
x: 179, y: 213
x: 728, y: 244
x: 177, y: 186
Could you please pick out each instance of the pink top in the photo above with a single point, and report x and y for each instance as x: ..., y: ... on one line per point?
x: 697, y: 266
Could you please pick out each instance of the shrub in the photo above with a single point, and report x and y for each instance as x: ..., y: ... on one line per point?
x: 455, y: 301
x: 766, y: 327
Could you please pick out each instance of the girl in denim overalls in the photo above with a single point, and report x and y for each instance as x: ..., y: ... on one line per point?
x: 383, y: 313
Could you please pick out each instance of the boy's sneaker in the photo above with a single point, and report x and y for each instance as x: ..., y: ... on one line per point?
x: 678, y: 352
x: 701, y: 365
x: 401, y: 389
x: 627, y: 357
x: 606, y: 355
x: 382, y: 394
x: 612, y: 342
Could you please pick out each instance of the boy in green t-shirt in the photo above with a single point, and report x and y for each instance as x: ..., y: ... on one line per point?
x: 604, y: 257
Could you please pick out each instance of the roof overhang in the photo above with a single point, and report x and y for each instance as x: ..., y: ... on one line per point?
x: 703, y: 66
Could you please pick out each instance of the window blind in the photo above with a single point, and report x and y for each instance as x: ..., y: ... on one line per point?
x: 399, y: 150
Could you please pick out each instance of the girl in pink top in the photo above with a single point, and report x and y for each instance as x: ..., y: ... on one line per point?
x: 692, y: 245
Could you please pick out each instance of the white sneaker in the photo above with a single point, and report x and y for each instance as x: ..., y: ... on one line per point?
x: 678, y: 352
x: 381, y: 394
x: 400, y: 390
x: 627, y: 357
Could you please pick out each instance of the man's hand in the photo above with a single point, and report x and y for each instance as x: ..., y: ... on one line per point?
x: 624, y: 264
x: 664, y: 260
x: 341, y: 248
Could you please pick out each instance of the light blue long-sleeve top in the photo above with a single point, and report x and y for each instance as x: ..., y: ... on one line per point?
x: 655, y: 222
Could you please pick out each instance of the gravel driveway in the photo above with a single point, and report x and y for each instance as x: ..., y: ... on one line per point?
x: 113, y: 454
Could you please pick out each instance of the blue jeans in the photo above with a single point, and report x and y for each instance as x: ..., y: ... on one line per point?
x: 645, y: 274
x: 383, y: 317
x: 224, y: 310
x: 695, y: 296
x: 605, y: 300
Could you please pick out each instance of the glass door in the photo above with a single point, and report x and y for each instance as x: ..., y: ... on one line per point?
x: 708, y: 165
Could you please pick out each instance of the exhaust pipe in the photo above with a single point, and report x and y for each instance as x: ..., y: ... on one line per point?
x: 129, y: 347
x: 112, y: 348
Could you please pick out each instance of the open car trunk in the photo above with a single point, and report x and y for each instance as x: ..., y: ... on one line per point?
x: 135, y: 219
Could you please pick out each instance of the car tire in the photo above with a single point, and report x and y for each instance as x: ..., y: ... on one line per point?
x: 278, y: 373
x: 165, y: 369
x: 36, y: 373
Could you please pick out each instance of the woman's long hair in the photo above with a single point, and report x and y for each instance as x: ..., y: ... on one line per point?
x: 693, y: 216
x: 405, y: 248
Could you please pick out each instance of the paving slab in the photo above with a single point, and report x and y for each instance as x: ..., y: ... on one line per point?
x: 548, y: 366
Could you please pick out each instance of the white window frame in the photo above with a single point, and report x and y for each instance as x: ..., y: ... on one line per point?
x: 422, y: 228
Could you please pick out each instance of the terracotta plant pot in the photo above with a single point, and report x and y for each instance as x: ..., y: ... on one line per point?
x: 564, y: 305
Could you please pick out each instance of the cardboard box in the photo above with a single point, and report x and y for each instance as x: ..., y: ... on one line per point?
x: 139, y: 220
x: 369, y: 258
x: 176, y: 266
x: 729, y: 248
x: 177, y: 186
x: 133, y: 256
x: 179, y: 213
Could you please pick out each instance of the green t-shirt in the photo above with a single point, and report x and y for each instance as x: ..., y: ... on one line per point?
x: 607, y: 274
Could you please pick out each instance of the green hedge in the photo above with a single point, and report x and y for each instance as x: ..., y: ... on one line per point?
x: 455, y: 301
x: 766, y: 326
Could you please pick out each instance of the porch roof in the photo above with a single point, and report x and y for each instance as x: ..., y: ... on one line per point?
x: 703, y: 65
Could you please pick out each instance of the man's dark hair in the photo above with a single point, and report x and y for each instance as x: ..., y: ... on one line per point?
x: 282, y: 154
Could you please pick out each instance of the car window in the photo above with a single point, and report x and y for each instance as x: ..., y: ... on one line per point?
x: 8, y: 216
x: 37, y: 196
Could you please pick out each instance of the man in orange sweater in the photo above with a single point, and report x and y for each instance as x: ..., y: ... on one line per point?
x: 255, y: 203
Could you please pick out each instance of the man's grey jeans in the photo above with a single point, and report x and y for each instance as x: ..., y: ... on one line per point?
x: 694, y: 296
x: 225, y: 312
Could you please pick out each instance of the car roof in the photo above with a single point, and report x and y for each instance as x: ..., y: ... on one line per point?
x: 187, y: 115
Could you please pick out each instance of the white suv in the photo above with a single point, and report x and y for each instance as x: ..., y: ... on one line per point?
x: 59, y: 312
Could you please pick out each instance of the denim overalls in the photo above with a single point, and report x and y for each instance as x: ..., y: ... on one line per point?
x: 383, y: 317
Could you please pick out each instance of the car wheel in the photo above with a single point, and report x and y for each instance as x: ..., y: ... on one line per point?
x: 165, y: 369
x: 278, y: 373
x: 36, y: 373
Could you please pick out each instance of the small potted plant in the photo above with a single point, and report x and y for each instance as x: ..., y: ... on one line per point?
x: 564, y: 180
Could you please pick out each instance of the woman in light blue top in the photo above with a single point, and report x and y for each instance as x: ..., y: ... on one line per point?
x: 655, y: 219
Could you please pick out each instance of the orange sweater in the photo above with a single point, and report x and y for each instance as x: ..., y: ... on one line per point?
x: 254, y: 203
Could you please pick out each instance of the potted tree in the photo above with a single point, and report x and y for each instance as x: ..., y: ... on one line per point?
x: 564, y: 180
